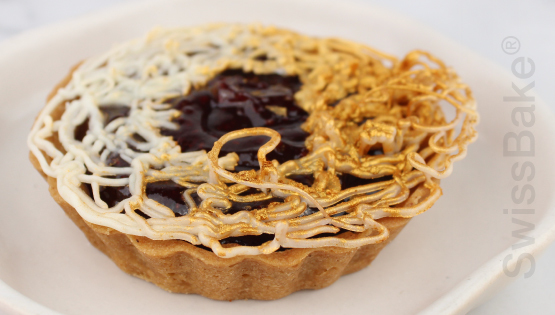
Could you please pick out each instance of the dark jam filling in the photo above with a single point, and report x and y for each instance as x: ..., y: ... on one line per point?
x: 235, y: 100
x: 231, y: 101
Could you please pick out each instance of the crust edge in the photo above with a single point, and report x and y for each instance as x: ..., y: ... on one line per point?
x: 180, y: 267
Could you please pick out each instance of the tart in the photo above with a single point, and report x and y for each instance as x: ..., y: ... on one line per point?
x: 249, y: 162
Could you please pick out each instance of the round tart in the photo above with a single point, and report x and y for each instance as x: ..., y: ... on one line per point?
x: 249, y: 162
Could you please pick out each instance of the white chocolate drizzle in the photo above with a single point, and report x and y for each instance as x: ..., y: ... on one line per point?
x: 358, y: 99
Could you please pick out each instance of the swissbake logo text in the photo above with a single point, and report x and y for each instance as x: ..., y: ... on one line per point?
x: 519, y: 145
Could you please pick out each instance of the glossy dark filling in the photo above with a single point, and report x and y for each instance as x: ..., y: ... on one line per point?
x: 231, y: 101
x: 235, y: 100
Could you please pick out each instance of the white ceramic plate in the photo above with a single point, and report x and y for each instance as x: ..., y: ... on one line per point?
x: 446, y: 261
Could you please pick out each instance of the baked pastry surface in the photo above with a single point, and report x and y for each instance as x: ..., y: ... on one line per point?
x: 364, y: 106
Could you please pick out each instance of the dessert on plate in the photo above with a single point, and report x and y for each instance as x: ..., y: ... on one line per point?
x: 246, y: 161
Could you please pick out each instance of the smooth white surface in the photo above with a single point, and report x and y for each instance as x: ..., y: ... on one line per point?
x: 350, y: 27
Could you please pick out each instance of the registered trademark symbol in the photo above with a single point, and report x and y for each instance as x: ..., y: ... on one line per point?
x: 510, y: 45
